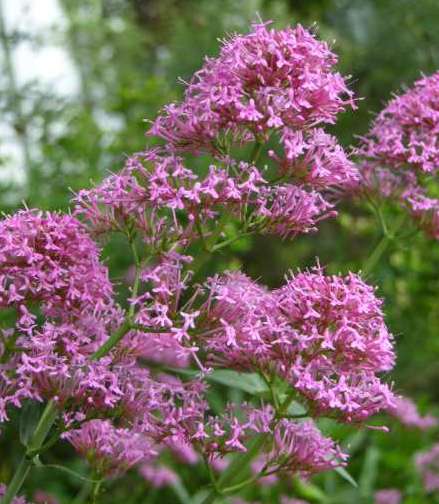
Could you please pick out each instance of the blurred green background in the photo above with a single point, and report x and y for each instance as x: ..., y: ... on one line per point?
x: 80, y: 77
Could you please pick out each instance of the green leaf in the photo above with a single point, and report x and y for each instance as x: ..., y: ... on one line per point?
x: 341, y: 471
x: 308, y: 491
x: 181, y: 492
x: 369, y: 471
x: 29, y: 418
x: 296, y: 409
x: 251, y: 383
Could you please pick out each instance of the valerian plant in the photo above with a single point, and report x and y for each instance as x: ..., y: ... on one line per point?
x: 125, y: 382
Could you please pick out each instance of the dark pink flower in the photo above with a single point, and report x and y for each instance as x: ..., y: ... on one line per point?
x: 267, y: 79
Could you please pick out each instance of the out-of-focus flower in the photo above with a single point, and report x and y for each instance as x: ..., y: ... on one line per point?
x: 388, y: 496
x: 406, y: 412
x: 399, y: 157
x: 42, y: 497
x: 158, y: 476
x: 17, y: 500
x: 427, y: 464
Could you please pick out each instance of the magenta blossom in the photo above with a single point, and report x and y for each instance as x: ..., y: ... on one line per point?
x: 388, y: 496
x: 109, y: 450
x: 427, y: 464
x: 324, y: 334
x: 406, y: 412
x: 17, y: 500
x: 299, y: 447
x: 399, y: 156
x: 265, y: 80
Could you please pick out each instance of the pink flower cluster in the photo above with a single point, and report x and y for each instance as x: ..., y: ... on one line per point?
x: 17, y: 500
x: 108, y: 449
x: 42, y: 497
x: 107, y: 367
x: 154, y: 189
x: 314, y: 157
x: 406, y: 132
x: 406, y: 412
x: 324, y: 334
x: 427, y: 464
x: 284, y: 500
x: 299, y: 447
x: 400, y: 154
x: 48, y: 260
x: 292, y: 448
x: 268, y: 79
x: 388, y: 496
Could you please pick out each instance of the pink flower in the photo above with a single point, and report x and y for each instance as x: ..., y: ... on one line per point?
x: 263, y: 80
x: 48, y: 260
x: 388, y: 496
x: 405, y: 133
x: 17, y: 500
x: 299, y: 447
x: 341, y: 343
x: 313, y: 157
x: 109, y: 450
x: 288, y: 500
x: 42, y: 497
x: 158, y: 476
x: 325, y: 334
x: 406, y: 412
x: 401, y: 148
x: 427, y: 464
x: 289, y: 210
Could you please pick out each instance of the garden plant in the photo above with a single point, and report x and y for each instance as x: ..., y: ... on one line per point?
x: 130, y: 372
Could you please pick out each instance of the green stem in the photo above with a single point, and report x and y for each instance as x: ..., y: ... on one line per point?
x: 17, y: 481
x: 240, y: 463
x: 225, y: 243
x: 136, y: 283
x: 96, y: 489
x: 201, y: 234
x: 257, y: 149
x: 112, y: 341
x: 378, y: 251
x: 382, y: 246
x: 42, y: 429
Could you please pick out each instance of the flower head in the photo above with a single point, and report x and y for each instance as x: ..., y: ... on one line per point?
x: 405, y: 133
x: 341, y: 343
x: 299, y: 447
x: 267, y: 79
x: 109, y: 450
x: 399, y: 156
